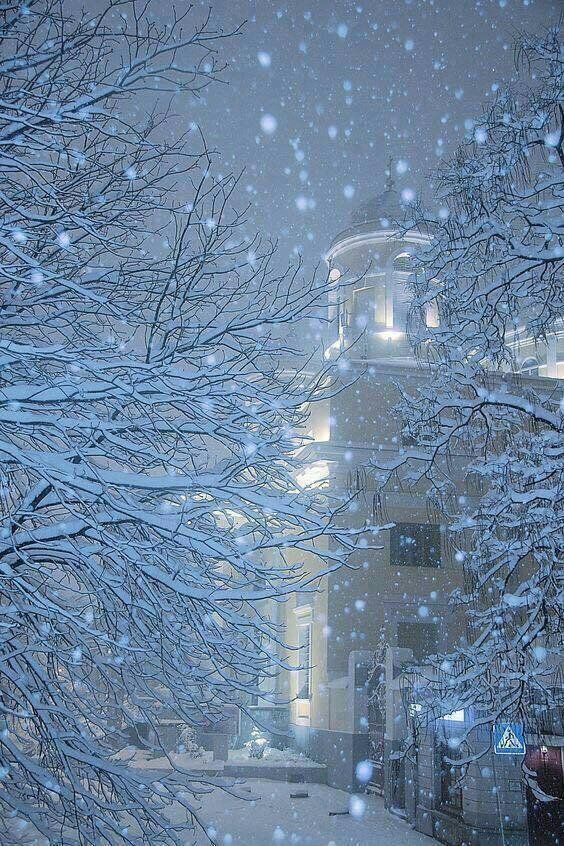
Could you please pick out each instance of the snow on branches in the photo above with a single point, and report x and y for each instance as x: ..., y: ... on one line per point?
x: 493, y: 274
x: 149, y: 423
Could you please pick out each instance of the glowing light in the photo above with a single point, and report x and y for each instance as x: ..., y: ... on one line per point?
x: 268, y: 124
x: 357, y: 807
x: 334, y: 274
x: 313, y: 475
x: 364, y: 771
x: 390, y: 335
x: 455, y: 717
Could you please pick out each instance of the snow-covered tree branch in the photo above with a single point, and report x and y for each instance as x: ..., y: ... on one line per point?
x: 151, y: 402
x: 493, y: 275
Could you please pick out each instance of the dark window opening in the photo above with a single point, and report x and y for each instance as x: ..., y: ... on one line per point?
x: 407, y: 440
x: 421, y: 638
x: 415, y: 545
x: 361, y: 672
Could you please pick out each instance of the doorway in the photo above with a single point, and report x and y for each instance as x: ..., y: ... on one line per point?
x: 545, y: 818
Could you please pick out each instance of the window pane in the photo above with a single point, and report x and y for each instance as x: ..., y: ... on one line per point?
x: 415, y: 545
x: 364, y: 306
x: 304, y: 657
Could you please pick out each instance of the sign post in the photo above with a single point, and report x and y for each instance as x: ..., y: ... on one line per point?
x: 508, y: 739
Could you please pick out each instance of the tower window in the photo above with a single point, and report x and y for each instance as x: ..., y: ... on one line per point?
x: 304, y: 599
x: 530, y: 367
x: 403, y: 262
x: 364, y: 306
x: 432, y: 314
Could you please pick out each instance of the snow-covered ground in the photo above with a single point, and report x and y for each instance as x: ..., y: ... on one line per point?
x: 267, y: 816
x: 271, y: 818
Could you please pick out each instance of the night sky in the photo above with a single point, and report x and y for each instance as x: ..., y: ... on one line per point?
x: 320, y: 93
x: 340, y: 86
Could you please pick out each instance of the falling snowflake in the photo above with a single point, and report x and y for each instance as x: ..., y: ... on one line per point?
x: 268, y: 124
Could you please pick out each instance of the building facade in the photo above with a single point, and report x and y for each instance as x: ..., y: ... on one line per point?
x: 397, y: 593
x: 353, y: 638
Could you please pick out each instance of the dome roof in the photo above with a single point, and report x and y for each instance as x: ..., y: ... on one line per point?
x: 383, y: 209
x: 386, y: 210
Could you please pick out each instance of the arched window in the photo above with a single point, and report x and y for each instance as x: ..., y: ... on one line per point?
x: 403, y: 262
x: 530, y: 367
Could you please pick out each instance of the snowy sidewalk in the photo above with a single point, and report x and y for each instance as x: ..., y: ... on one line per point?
x: 276, y: 820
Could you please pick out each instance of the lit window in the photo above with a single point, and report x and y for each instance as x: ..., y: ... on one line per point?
x: 304, y: 599
x: 432, y: 314
x: 455, y: 717
x: 304, y: 658
x: 364, y: 306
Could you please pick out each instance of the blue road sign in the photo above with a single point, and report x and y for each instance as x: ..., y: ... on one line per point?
x: 509, y: 739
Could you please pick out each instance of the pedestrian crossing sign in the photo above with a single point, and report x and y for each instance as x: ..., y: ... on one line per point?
x: 509, y: 739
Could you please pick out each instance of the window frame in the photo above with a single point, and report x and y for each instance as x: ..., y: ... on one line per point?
x: 530, y: 366
x: 403, y: 262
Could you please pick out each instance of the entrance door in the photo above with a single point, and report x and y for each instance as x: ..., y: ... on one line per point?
x: 545, y: 818
x: 397, y: 783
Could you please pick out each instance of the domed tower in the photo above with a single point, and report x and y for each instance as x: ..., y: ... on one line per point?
x: 369, y: 263
x: 410, y: 566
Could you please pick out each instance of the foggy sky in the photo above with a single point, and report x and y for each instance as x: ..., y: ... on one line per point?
x: 348, y: 84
